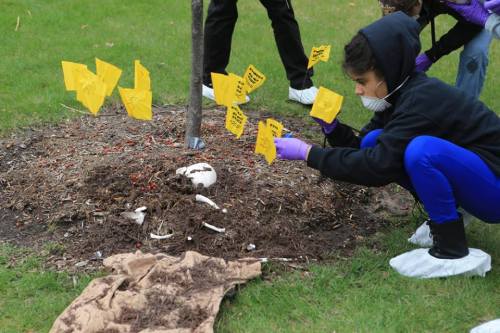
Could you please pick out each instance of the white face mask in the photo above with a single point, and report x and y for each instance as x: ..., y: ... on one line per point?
x: 375, y: 104
x: 379, y: 104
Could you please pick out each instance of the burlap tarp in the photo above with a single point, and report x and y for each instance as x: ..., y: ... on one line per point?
x: 155, y: 294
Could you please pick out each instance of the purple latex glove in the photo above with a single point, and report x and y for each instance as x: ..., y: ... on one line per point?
x: 422, y: 63
x: 326, y: 127
x: 474, y: 12
x: 291, y: 149
x: 493, y: 5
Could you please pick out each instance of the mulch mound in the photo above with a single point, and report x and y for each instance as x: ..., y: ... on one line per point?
x: 68, y: 184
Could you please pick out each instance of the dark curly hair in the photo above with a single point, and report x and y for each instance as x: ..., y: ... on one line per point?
x: 359, y: 58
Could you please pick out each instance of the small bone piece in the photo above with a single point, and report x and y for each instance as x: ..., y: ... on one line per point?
x: 201, y: 198
x: 138, y: 217
x: 209, y: 226
x: 154, y: 236
x: 276, y: 259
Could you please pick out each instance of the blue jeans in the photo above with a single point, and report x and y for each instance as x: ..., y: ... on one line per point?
x: 473, y: 63
x: 446, y: 176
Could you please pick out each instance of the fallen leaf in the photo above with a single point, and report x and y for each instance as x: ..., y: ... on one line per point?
x: 18, y: 23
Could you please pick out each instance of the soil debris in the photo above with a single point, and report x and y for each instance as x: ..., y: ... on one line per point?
x: 70, y: 183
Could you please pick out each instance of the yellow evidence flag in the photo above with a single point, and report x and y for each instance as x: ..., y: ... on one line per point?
x: 220, y: 84
x: 319, y: 53
x: 235, y: 120
x: 327, y: 105
x: 90, y: 90
x: 137, y: 102
x: 70, y: 71
x: 253, y: 79
x: 265, y: 143
x: 275, y: 126
x: 142, y: 81
x: 108, y: 73
x: 228, y: 89
x: 238, y: 86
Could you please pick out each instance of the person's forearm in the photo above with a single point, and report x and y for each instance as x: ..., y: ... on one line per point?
x: 343, y: 136
x: 455, y: 38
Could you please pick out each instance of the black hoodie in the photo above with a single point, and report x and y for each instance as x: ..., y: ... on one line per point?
x: 423, y: 106
x: 461, y: 33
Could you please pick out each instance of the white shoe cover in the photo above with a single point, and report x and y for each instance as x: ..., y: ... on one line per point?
x: 209, y: 93
x: 488, y: 327
x: 304, y: 96
x: 420, y: 264
x: 422, y: 236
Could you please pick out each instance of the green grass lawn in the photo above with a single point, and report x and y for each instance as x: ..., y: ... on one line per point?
x: 363, y: 294
x: 158, y: 33
x: 31, y: 297
x: 359, y: 294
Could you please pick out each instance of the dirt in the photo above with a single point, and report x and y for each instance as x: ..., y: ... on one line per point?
x: 160, y: 315
x: 63, y: 189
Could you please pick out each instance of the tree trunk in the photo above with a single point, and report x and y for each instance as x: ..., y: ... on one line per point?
x: 194, y: 113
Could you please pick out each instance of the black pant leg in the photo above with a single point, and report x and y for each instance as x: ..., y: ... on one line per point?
x: 219, y: 27
x: 287, y: 36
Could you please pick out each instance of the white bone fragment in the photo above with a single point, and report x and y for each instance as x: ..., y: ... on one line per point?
x: 202, y: 198
x: 276, y: 259
x: 224, y: 210
x: 138, y: 217
x: 141, y: 209
x: 200, y: 173
x: 154, y: 236
x: 214, y: 228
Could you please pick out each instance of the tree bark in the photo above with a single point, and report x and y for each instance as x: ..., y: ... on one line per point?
x: 194, y: 112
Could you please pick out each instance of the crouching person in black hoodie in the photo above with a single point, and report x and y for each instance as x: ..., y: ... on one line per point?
x: 425, y: 135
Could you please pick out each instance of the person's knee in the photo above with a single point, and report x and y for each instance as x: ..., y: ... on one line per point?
x: 277, y: 12
x: 417, y: 151
x: 222, y: 10
x: 476, y: 62
x: 370, y: 139
x: 474, y: 58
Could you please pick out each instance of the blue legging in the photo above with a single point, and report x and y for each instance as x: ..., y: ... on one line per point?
x: 445, y: 176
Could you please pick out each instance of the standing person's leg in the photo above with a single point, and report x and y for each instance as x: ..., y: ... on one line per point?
x: 444, y: 176
x: 219, y: 27
x: 287, y: 36
x: 473, y: 64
